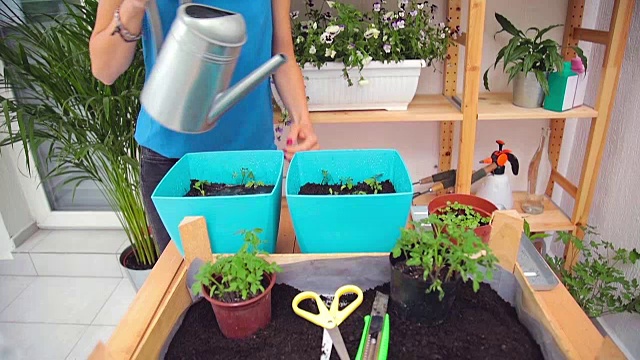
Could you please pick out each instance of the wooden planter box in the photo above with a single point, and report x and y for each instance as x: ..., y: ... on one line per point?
x: 162, y: 300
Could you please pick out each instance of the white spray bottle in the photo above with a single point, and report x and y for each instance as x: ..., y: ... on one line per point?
x: 496, y: 187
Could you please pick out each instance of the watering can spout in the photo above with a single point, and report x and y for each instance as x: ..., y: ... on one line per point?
x: 225, y: 100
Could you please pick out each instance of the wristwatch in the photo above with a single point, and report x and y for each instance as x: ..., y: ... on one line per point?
x: 120, y: 29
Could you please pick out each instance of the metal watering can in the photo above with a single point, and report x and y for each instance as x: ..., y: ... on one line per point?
x: 187, y: 90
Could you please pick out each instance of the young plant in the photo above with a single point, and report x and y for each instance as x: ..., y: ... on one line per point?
x: 374, y: 184
x: 346, y: 183
x: 596, y: 282
x: 331, y: 192
x: 459, y: 215
x: 530, y: 53
x: 236, y: 277
x: 440, y: 259
x: 247, y: 178
x: 199, y: 185
x: 326, y: 177
x: 531, y: 236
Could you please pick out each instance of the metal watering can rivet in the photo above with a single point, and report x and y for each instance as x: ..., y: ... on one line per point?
x: 188, y: 88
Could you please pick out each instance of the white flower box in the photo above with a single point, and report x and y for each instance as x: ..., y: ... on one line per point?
x: 387, y: 86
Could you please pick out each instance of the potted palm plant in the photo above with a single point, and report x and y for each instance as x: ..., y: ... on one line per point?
x: 84, y: 128
x: 529, y: 58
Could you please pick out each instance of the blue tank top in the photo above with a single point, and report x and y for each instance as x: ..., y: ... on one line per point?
x: 248, y: 125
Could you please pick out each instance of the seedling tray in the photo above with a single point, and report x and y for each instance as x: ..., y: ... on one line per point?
x: 553, y: 318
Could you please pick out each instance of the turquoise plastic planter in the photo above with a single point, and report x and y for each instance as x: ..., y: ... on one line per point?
x: 348, y: 223
x: 225, y: 215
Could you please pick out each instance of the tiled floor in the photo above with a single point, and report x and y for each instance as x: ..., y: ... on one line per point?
x: 63, y: 292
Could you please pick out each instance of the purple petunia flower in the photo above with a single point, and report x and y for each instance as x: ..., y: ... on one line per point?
x: 401, y: 24
x: 376, y: 6
x: 395, y: 25
x: 310, y: 3
x: 413, y: 12
x: 387, y: 48
x: 294, y: 14
x: 351, y: 46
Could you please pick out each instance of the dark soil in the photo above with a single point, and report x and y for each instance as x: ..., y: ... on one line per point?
x: 130, y: 262
x: 339, y: 189
x: 218, y: 189
x: 480, y: 326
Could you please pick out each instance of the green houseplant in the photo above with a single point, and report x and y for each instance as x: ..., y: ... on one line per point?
x: 239, y: 288
x: 464, y: 210
x: 597, y: 282
x: 86, y: 127
x: 427, y: 268
x: 352, y: 52
x: 528, y: 58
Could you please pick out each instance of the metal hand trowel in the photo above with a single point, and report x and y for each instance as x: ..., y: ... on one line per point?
x: 188, y: 88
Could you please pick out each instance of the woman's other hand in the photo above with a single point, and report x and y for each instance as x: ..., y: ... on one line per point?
x: 302, y: 137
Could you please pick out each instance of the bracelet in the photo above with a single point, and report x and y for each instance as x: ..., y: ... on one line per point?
x: 120, y: 29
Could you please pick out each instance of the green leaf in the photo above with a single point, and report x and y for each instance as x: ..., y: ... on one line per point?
x: 507, y: 26
x: 634, y: 255
x: 545, y: 30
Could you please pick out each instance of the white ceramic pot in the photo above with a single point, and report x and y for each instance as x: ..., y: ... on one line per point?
x: 387, y: 86
x: 136, y: 277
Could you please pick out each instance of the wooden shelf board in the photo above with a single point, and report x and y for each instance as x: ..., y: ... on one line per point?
x: 498, y: 106
x: 552, y: 219
x: 422, y: 108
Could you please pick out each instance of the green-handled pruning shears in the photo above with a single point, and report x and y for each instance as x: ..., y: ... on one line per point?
x: 374, y: 344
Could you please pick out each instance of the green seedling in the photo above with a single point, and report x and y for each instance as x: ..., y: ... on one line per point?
x: 247, y: 178
x: 199, y: 185
x: 533, y: 236
x: 457, y: 214
x: 346, y: 183
x: 333, y: 192
x: 374, y: 184
x: 326, y: 177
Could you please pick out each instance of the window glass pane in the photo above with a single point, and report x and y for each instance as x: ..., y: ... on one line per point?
x: 61, y: 196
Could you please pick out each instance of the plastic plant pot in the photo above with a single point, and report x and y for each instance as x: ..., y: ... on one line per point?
x: 243, y: 319
x: 410, y: 300
x: 348, y: 223
x: 483, y: 207
x: 224, y: 215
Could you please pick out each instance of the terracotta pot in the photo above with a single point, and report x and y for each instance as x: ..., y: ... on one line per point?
x: 243, y: 319
x: 410, y: 300
x: 484, y: 207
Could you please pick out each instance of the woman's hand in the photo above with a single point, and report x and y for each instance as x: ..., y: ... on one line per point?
x: 290, y: 84
x: 302, y: 137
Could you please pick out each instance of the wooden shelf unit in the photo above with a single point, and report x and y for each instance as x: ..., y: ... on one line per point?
x: 472, y: 105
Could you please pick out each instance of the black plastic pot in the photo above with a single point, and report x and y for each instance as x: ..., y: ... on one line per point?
x: 410, y: 300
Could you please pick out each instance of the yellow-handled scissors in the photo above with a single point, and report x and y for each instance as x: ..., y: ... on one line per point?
x: 330, y: 318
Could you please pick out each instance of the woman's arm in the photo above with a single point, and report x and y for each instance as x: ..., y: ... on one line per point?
x: 110, y: 54
x: 290, y: 84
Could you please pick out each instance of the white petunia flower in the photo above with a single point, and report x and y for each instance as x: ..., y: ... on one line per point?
x: 312, y: 50
x: 333, y: 29
x: 331, y: 3
x: 373, y: 32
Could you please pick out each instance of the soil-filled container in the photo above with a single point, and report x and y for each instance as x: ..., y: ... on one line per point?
x: 409, y: 297
x: 342, y: 214
x: 483, y: 207
x: 231, y: 189
x: 239, y: 320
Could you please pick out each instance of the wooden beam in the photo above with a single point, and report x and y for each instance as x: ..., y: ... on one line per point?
x: 590, y: 35
x: 575, y: 11
x: 473, y: 62
x: 612, y: 66
x: 564, y: 183
x: 450, y: 87
x: 195, y: 238
x: 505, y: 237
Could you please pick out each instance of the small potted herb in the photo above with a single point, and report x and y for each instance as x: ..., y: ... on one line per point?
x: 465, y: 211
x: 427, y: 268
x: 528, y: 58
x: 239, y: 288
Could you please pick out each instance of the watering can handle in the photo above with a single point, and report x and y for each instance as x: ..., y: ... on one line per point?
x: 156, y: 23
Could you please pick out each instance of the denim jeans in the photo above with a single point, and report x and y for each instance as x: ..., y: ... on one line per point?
x: 153, y: 167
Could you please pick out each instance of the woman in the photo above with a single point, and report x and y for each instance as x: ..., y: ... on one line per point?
x: 246, y: 126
